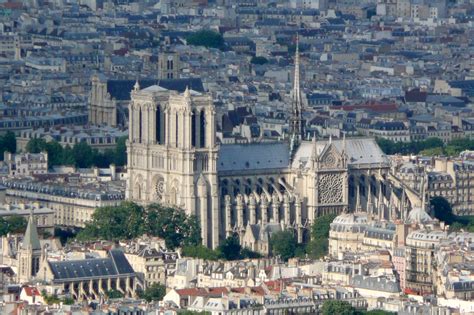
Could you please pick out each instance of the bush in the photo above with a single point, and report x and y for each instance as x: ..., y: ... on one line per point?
x: 259, y: 60
x: 155, y: 292
x: 206, y: 38
x: 12, y: 224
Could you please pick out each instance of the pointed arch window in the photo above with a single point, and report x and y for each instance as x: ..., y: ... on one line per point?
x: 202, y: 129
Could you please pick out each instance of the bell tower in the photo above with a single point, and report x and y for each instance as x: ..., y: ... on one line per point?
x: 29, y: 253
x: 172, y: 154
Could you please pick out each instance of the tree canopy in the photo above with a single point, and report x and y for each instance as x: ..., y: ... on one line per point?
x: 431, y: 146
x: 442, y: 210
x: 130, y: 220
x: 283, y: 244
x: 155, y: 292
x: 258, y: 60
x: 12, y: 224
x: 229, y: 249
x: 7, y: 143
x: 206, y: 38
x: 332, y: 307
x: 81, y: 154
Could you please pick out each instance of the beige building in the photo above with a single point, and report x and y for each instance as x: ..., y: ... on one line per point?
x: 452, y: 179
x: 26, y: 164
x: 73, y: 203
x: 420, y: 250
x: 154, y: 264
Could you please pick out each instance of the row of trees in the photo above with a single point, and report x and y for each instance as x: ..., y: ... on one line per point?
x: 7, y: 143
x: 332, y: 307
x: 12, y: 224
x: 130, y: 220
x: 430, y: 146
x: 229, y: 249
x: 81, y: 154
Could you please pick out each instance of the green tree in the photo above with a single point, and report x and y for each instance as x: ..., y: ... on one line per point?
x: 442, y: 210
x: 318, y: 246
x: 55, y: 153
x: 155, y: 292
x: 68, y: 156
x: 332, y: 307
x: 125, y: 221
x: 9, y: 142
x: 200, y: 251
x: 258, y: 60
x: 83, y: 154
x: 320, y: 228
x: 432, y: 152
x: 114, y: 294
x: 206, y: 38
x: 120, y: 158
x: 36, y: 145
x: 3, y: 227
x: 173, y: 225
x: 230, y: 248
x: 16, y: 224
x: 283, y: 244
x: 68, y: 301
x: 248, y: 253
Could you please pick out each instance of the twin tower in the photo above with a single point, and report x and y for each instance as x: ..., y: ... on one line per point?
x: 172, y: 153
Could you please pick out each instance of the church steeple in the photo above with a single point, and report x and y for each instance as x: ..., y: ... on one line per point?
x: 31, y: 239
x: 297, y: 104
x: 29, y: 254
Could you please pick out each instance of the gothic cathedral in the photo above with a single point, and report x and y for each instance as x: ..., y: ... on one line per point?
x: 246, y: 189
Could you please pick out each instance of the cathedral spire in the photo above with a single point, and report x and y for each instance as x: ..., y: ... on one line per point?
x: 31, y: 239
x: 297, y: 104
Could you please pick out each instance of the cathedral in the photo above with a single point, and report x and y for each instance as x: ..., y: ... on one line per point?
x: 250, y: 189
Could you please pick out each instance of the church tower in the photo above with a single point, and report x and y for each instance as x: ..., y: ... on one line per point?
x: 29, y: 253
x: 169, y: 65
x: 296, y: 120
x: 172, y: 154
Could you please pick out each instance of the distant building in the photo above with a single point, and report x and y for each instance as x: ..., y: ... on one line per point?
x: 92, y: 278
x: 26, y: 164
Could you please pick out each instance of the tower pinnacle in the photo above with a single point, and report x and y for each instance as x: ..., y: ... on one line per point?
x: 297, y: 104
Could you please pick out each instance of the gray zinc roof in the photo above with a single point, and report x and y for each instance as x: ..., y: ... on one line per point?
x: 116, y: 264
x: 255, y: 156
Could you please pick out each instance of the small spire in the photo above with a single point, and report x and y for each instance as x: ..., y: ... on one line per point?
x: 380, y: 205
x: 344, y: 141
x: 314, y: 148
x: 423, y: 193
x: 187, y: 95
x: 136, y: 87
x: 358, y: 205
x: 370, y: 206
x: 330, y: 139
